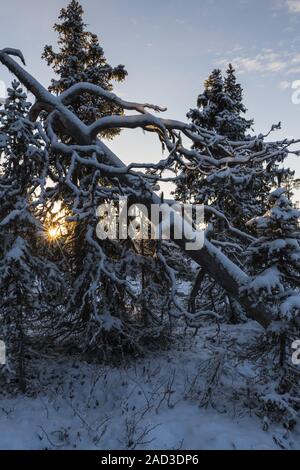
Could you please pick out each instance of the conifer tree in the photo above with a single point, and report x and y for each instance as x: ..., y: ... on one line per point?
x: 210, y: 103
x: 28, y: 280
x: 275, y: 256
x: 81, y: 59
x: 241, y: 191
x: 220, y: 107
x: 233, y: 124
x: 274, y: 262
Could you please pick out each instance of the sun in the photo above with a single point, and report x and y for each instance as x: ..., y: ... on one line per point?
x: 54, y: 232
x: 55, y: 224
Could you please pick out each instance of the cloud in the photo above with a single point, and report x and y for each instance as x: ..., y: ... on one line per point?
x: 266, y: 62
x: 293, y: 5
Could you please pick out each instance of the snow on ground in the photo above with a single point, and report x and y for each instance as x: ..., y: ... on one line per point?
x: 147, y: 403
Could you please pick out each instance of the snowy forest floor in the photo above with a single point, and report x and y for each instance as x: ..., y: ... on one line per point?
x: 191, y: 395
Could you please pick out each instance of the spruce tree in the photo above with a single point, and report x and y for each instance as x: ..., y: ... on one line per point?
x: 28, y: 280
x: 210, y: 103
x: 220, y: 107
x: 236, y: 191
x: 102, y: 310
x: 274, y: 262
x: 274, y: 257
x: 81, y: 59
x: 233, y: 124
x: 239, y: 191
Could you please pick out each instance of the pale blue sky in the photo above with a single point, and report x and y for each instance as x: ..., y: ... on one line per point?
x: 170, y: 46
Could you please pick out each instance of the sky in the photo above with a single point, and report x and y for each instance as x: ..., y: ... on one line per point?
x: 169, y: 47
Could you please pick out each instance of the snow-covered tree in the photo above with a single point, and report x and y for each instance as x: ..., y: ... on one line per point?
x: 232, y: 193
x: 211, y: 103
x: 274, y: 262
x: 275, y: 256
x: 233, y: 124
x: 238, y: 191
x: 220, y: 107
x: 28, y: 281
x: 81, y: 59
x: 226, y: 188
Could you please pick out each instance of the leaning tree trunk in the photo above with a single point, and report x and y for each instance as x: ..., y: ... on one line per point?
x: 212, y: 260
x: 217, y: 265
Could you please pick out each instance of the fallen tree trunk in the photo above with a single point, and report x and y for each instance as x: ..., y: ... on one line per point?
x: 218, y: 266
x: 212, y: 260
